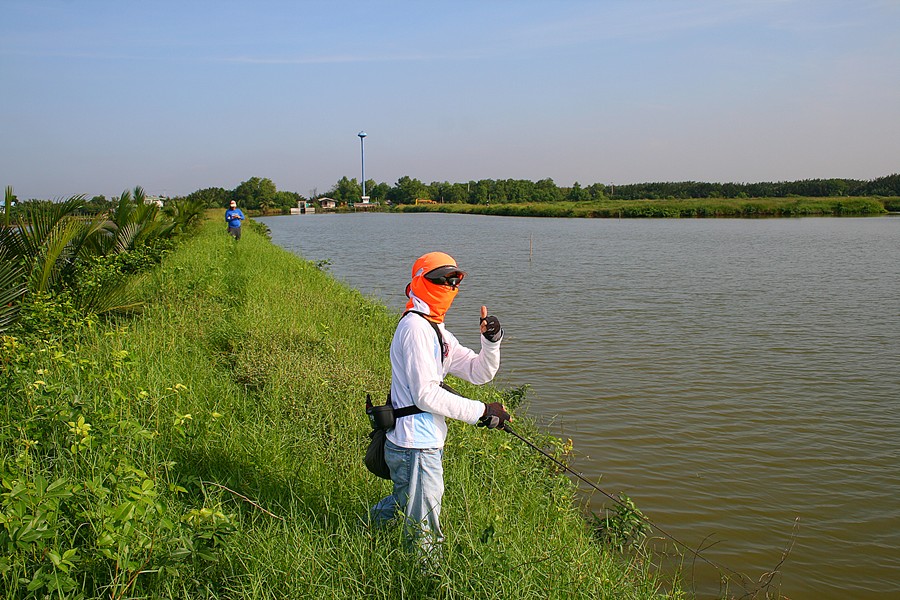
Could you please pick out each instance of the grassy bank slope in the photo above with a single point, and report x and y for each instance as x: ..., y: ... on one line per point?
x: 211, y: 447
x: 701, y: 207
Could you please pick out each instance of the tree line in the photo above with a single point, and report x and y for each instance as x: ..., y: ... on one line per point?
x: 260, y: 193
x: 512, y: 191
x: 816, y: 188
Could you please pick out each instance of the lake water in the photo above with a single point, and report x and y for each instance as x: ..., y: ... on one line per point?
x: 732, y: 377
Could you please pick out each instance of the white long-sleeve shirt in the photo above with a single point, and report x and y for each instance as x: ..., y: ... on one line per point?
x: 416, y: 375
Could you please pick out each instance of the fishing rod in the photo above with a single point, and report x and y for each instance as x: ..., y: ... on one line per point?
x: 695, y: 553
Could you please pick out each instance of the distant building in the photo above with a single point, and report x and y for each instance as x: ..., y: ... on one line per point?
x: 303, y: 208
x: 327, y: 203
x: 364, y: 204
x: 157, y: 200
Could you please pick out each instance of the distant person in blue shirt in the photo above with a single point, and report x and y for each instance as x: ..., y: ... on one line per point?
x: 234, y: 216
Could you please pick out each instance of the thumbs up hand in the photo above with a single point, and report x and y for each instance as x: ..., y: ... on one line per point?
x: 490, y: 326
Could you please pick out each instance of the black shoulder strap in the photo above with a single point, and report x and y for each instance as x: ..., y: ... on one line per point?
x: 415, y: 410
x: 406, y: 411
x: 434, y: 326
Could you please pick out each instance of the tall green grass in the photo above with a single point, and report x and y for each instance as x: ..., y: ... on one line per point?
x: 211, y: 447
x: 707, y: 207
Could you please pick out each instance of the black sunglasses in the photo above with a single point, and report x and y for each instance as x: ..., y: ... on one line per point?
x: 448, y: 275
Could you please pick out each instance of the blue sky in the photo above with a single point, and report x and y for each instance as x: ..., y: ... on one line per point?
x: 98, y: 97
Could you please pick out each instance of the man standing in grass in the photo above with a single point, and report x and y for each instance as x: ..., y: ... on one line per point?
x: 422, y: 353
x: 234, y: 216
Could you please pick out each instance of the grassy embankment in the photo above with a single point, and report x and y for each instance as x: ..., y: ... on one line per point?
x: 705, y: 207
x: 247, y: 370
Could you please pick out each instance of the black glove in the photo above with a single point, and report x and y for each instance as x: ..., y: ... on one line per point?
x: 492, y: 331
x: 494, y: 417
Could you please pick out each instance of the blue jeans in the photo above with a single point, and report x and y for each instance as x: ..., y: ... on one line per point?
x: 418, y: 476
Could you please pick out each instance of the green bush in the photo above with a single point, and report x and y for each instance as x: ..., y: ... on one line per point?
x: 891, y: 204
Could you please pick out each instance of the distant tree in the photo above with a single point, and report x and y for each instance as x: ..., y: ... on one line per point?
x: 407, y: 190
x: 284, y: 201
x: 883, y: 186
x: 732, y: 190
x: 499, y: 193
x: 597, y: 191
x: 456, y: 194
x: 379, y: 191
x: 97, y: 204
x: 480, y: 191
x: 762, y: 190
x: 346, y: 190
x: 521, y: 190
x: 546, y: 191
x: 370, y: 185
x: 436, y: 190
x: 500, y: 190
x: 838, y: 187
x: 451, y: 193
x: 577, y: 194
x: 253, y: 192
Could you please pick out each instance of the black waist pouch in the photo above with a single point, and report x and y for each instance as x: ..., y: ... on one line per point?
x: 374, y: 459
x: 382, y: 418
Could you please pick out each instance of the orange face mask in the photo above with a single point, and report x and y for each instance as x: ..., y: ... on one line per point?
x: 438, y: 298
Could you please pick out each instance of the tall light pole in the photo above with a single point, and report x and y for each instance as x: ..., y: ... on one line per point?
x: 362, y: 158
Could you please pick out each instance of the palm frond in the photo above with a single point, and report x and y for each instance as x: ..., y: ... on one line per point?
x: 122, y: 213
x: 7, y: 204
x: 55, y: 257
x: 12, y: 288
x: 40, y: 220
x: 186, y: 213
x: 97, y: 237
x: 11, y: 243
x: 121, y: 297
x: 49, y: 241
x: 139, y: 196
x: 125, y: 237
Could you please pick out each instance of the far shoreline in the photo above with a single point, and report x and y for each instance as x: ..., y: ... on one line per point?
x: 857, y: 206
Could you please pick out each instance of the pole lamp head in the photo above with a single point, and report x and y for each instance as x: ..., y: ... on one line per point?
x: 361, y: 134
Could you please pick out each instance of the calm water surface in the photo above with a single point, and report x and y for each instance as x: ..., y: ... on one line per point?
x: 732, y: 376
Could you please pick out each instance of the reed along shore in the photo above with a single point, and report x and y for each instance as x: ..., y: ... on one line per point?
x: 675, y: 208
x: 211, y: 447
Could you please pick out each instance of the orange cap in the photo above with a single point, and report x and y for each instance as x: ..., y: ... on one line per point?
x: 431, y: 261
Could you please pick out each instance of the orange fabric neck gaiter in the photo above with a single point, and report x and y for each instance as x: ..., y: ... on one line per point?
x: 438, y: 298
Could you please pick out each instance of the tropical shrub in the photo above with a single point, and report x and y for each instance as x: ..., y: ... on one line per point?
x: 186, y: 213
x: 50, y: 252
x: 134, y: 223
